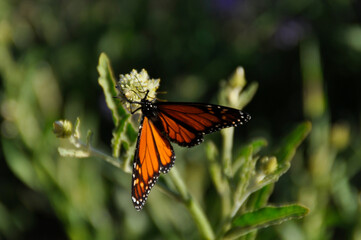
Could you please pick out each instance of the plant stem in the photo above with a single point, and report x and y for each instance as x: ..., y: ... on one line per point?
x: 227, y: 135
x: 95, y: 152
x: 227, y: 150
x: 113, y: 161
x: 169, y: 192
x: 194, y: 208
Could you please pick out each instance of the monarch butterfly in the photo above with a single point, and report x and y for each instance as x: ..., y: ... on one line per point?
x: 179, y: 122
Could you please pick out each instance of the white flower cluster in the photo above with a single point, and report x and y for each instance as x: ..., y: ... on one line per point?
x: 134, y: 86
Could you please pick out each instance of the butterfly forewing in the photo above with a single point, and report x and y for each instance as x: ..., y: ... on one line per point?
x: 153, y: 154
x: 183, y: 123
x: 186, y: 123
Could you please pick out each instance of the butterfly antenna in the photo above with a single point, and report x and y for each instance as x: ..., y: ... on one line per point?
x: 143, y: 90
x: 159, y: 99
x: 140, y: 85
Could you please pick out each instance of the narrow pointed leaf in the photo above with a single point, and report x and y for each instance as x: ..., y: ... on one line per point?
x: 263, y: 189
x: 256, y: 145
x: 270, y: 215
x: 19, y: 163
x: 292, y: 141
x: 120, y: 116
x: 218, y: 178
x: 264, y: 217
x: 247, y: 95
x: 89, y: 137
x: 287, y: 151
x: 107, y: 82
x: 285, y: 155
x: 259, y: 199
x: 77, y: 128
x: 76, y: 153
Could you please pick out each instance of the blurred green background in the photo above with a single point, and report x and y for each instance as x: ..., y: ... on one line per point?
x: 305, y: 55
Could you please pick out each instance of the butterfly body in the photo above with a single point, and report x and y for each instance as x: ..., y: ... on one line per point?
x: 182, y: 123
x: 149, y: 109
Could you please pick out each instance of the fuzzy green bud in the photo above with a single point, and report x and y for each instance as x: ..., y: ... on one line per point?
x: 62, y: 128
x: 238, y: 78
x: 268, y: 165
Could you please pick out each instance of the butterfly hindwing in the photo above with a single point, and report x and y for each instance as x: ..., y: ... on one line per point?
x: 186, y: 123
x: 153, y: 155
x: 183, y: 123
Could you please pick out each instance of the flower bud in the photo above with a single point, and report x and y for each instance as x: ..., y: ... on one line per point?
x: 268, y: 165
x: 62, y: 128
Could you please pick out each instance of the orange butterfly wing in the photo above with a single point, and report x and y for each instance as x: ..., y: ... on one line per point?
x: 186, y: 123
x: 153, y: 154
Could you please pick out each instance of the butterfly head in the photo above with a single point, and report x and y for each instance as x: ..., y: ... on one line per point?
x: 149, y: 109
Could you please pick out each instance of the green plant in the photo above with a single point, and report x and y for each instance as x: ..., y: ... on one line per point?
x: 243, y: 182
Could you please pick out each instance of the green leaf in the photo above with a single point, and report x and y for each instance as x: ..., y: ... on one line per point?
x: 131, y: 132
x: 260, y: 198
x: 247, y: 95
x: 76, y: 128
x: 287, y: 151
x: 246, y: 170
x: 76, y: 153
x: 256, y: 145
x: 214, y: 167
x: 270, y: 215
x: 120, y: 116
x: 107, y: 82
x: 291, y: 142
x: 119, y: 136
x: 243, y: 179
x: 284, y: 156
x: 20, y: 164
x: 264, y: 217
x: 257, y: 200
x: 89, y: 137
